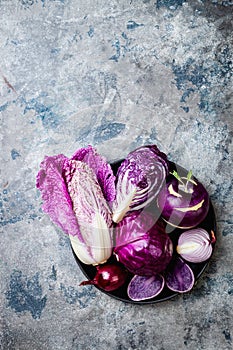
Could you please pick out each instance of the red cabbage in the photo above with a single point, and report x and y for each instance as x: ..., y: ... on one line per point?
x: 142, y: 245
x: 139, y: 180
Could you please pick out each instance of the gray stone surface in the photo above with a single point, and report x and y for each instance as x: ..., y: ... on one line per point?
x: 114, y: 74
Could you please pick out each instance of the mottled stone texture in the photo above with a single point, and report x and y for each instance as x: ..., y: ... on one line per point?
x: 115, y: 74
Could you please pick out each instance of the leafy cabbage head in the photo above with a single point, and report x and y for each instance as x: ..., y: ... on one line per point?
x: 75, y: 194
x: 142, y: 244
x: 139, y: 179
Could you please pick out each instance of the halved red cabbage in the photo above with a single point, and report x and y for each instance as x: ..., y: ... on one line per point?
x: 179, y: 277
x: 142, y: 287
x: 139, y: 179
x: 142, y: 245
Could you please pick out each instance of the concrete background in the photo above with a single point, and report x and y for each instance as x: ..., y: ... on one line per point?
x: 117, y: 75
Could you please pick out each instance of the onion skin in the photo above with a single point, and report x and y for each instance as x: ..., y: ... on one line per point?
x: 183, y: 206
x: 108, y: 277
x: 195, y: 245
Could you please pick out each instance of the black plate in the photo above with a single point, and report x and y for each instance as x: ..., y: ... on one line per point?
x: 209, y: 224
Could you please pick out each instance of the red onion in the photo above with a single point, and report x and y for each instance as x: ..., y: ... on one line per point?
x: 195, y: 245
x: 108, y: 277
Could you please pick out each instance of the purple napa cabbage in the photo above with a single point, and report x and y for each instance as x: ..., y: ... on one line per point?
x: 139, y: 179
x: 75, y: 201
x: 52, y: 183
x: 85, y: 193
x: 92, y: 212
x: 142, y: 245
x: 101, y: 168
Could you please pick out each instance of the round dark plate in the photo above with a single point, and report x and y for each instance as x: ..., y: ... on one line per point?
x: 209, y: 224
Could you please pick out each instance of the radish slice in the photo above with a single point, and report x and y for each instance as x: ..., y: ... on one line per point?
x: 143, y: 287
x: 180, y: 277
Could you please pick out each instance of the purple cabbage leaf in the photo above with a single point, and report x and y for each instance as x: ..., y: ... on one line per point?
x: 101, y: 168
x: 56, y: 199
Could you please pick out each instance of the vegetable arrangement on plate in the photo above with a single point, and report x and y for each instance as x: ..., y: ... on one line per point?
x: 136, y: 225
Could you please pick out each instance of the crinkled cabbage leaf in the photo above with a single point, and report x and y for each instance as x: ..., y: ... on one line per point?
x: 139, y: 179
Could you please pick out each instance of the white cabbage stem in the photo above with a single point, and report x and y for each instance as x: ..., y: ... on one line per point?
x: 93, y: 216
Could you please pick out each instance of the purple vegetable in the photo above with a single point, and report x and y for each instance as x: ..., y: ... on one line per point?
x: 195, y: 245
x: 139, y: 180
x: 142, y: 287
x: 52, y: 183
x: 142, y: 245
x: 184, y: 202
x: 101, y: 168
x: 56, y: 199
x: 92, y: 213
x: 108, y: 277
x: 74, y: 200
x: 179, y: 277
